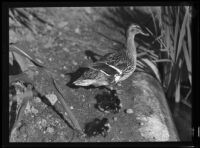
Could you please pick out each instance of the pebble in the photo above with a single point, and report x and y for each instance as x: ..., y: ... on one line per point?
x: 37, y: 100
x: 77, y: 30
x: 64, y: 67
x: 114, y: 43
x: 33, y: 110
x: 62, y: 75
x: 71, y: 107
x: 66, y: 49
x: 129, y: 111
x: 43, y: 122
x: 141, y: 123
x: 63, y: 24
x: 115, y: 118
x: 74, y: 62
x: 50, y: 59
x: 119, y: 84
x: 52, y: 98
x: 49, y: 27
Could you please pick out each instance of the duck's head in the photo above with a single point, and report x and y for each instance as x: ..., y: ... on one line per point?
x: 135, y: 29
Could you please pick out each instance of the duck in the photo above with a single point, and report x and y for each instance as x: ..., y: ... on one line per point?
x: 113, y: 67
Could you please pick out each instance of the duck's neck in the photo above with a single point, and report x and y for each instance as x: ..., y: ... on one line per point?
x: 131, y: 49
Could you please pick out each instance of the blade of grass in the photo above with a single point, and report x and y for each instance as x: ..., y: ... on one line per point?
x: 154, y: 22
x: 177, y: 92
x: 188, y: 61
x: 182, y: 34
x: 168, y: 42
x: 176, y: 30
x: 189, y: 37
x: 188, y: 94
x: 162, y: 60
x: 153, y: 67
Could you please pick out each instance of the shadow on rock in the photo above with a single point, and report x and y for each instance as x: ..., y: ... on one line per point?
x: 92, y: 55
x: 75, y: 75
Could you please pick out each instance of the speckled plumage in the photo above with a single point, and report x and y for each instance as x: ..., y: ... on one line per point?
x: 113, y: 67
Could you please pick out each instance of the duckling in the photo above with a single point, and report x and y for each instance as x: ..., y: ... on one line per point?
x: 113, y: 67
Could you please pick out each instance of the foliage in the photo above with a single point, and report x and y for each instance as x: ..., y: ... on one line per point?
x: 175, y: 45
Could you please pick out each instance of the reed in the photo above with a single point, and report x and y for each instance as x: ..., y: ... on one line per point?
x: 175, y: 43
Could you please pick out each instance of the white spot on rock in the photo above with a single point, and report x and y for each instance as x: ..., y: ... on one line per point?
x: 43, y: 122
x: 64, y: 67
x: 63, y: 24
x: 34, y: 110
x: 28, y: 108
x: 62, y: 75
x: 50, y: 130
x: 66, y: 49
x: 74, y: 62
x: 37, y: 100
x: 77, y: 30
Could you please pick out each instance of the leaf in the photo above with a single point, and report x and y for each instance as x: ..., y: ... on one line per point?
x: 189, y: 37
x: 152, y: 67
x: 182, y: 33
x: 23, y: 63
x: 154, y: 22
x: 168, y: 41
x: 11, y: 58
x: 177, y: 92
x: 188, y: 61
x: 176, y: 30
x: 162, y: 60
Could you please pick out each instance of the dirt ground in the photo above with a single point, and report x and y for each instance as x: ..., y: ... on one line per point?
x: 65, y: 42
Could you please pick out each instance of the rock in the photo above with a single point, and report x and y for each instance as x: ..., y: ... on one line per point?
x: 52, y: 98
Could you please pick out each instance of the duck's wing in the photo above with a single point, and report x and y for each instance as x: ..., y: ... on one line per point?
x: 107, y: 64
x: 112, y: 63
